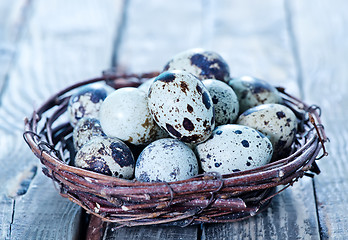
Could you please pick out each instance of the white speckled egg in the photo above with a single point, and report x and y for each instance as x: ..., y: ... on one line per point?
x: 180, y: 103
x: 201, y: 63
x: 276, y: 121
x: 85, y: 130
x: 166, y: 160
x: 233, y: 148
x: 124, y: 114
x: 225, y: 101
x: 108, y: 156
x: 86, y: 102
x: 252, y: 92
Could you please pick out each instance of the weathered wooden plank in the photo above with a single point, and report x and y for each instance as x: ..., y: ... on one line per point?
x: 253, y: 36
x: 65, y: 42
x: 156, y: 30
x: 321, y: 32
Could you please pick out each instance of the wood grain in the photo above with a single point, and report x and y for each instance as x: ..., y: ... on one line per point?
x: 323, y: 56
x: 64, y: 42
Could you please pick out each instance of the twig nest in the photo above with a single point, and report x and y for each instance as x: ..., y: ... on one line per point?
x: 180, y: 103
x: 252, y: 92
x: 225, y: 101
x: 276, y: 121
x: 166, y: 160
x: 124, y: 114
x: 108, y: 156
x: 201, y: 63
x: 233, y: 148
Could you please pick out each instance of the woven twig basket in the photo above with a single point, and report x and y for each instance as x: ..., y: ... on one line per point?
x: 207, y: 198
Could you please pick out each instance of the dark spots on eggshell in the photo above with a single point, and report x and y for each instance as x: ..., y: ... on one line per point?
x: 144, y: 177
x: 98, y: 95
x: 184, y: 86
x: 215, y: 99
x: 188, y: 125
x: 245, y: 143
x: 172, y: 130
x: 199, y: 89
x: 175, y: 173
x: 166, y: 77
x: 238, y: 132
x: 236, y: 170
x: 214, y: 68
x: 206, y: 100
x: 248, y: 164
x: 208, y: 156
x: 121, y: 154
x: 266, y: 122
x: 97, y: 164
x: 218, y: 132
x: 189, y: 108
x: 260, y: 86
x: 280, y: 114
x: 217, y: 165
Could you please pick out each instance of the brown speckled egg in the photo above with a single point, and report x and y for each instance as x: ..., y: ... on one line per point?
x: 85, y: 130
x: 252, y: 92
x: 225, y: 101
x: 166, y: 160
x: 86, y: 102
x: 108, y: 156
x: 124, y: 114
x: 201, y: 63
x: 180, y: 103
x: 276, y: 121
x: 233, y: 148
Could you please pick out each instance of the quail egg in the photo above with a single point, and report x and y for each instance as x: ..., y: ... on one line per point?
x: 124, y: 114
x: 86, y: 102
x: 166, y: 160
x: 252, y: 92
x: 180, y: 103
x: 201, y: 63
x: 85, y: 129
x: 225, y: 101
x: 108, y: 156
x: 233, y: 148
x: 276, y: 121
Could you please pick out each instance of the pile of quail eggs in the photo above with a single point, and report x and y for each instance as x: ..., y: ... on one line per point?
x: 190, y: 119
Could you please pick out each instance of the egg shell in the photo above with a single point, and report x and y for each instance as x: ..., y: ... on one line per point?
x: 252, y: 92
x: 225, y: 101
x: 124, y: 114
x: 276, y: 121
x: 233, y: 148
x: 85, y: 130
x: 201, y: 63
x: 86, y: 102
x: 108, y: 156
x: 166, y: 160
x: 180, y: 103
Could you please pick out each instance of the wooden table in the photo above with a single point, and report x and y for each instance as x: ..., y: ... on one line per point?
x: 47, y: 45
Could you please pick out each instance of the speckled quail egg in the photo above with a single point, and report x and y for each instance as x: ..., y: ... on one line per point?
x: 233, y: 148
x: 180, y: 103
x: 86, y: 102
x: 124, y: 114
x: 252, y: 92
x: 108, y: 156
x: 145, y: 86
x: 85, y: 130
x: 225, y: 101
x: 166, y: 160
x: 276, y: 121
x: 201, y: 63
